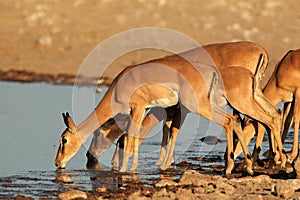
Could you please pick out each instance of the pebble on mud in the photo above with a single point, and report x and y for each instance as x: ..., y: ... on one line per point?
x: 262, y: 178
x: 210, y: 140
x: 193, y: 177
x: 102, y: 189
x: 63, y: 179
x: 72, y: 194
x: 284, y: 190
x: 166, y: 182
x: 137, y: 196
x: 294, y: 183
x: 43, y: 41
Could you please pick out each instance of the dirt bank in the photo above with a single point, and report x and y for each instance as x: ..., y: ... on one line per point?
x: 54, y: 37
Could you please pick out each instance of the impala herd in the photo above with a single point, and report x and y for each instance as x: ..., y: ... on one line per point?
x: 203, y: 81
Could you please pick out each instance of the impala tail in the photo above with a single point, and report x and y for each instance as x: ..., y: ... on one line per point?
x: 257, y: 74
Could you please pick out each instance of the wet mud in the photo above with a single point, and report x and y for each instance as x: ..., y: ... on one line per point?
x: 187, y: 180
x: 61, y: 78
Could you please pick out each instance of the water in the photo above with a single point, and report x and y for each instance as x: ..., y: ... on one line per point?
x: 30, y: 126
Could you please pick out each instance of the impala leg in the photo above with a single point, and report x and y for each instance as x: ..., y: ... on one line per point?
x: 117, y: 157
x: 248, y: 133
x: 275, y: 128
x: 125, y: 155
x: 163, y: 149
x: 92, y: 158
x: 258, y: 142
x: 171, y: 149
x: 176, y: 123
x: 226, y: 121
x: 275, y: 149
x: 287, y: 119
x: 135, y: 154
x: 238, y: 131
x: 264, y: 103
x: 228, y: 128
x: 296, y: 127
x: 275, y: 131
x: 274, y: 125
x: 134, y: 130
x: 129, y: 149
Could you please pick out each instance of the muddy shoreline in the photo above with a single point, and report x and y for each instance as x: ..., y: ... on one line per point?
x: 186, y: 181
x: 55, y: 79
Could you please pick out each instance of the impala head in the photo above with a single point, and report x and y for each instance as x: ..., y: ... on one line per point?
x: 70, y: 142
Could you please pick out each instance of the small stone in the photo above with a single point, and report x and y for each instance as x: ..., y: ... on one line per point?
x: 192, y: 177
x: 64, y: 179
x: 225, y: 188
x: 163, y: 193
x: 210, y: 140
x: 199, y: 190
x: 72, y: 194
x: 43, y: 41
x: 295, y: 183
x: 183, y: 191
x: 166, y: 182
x: 137, y: 196
x: 284, y: 190
x: 262, y: 178
x: 103, y: 189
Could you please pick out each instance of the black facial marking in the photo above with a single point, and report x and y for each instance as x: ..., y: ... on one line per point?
x: 283, y: 151
x: 63, y: 142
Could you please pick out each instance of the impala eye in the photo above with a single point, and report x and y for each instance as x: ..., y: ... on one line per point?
x: 64, y: 140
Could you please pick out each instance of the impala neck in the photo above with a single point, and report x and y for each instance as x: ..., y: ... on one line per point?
x: 98, y: 117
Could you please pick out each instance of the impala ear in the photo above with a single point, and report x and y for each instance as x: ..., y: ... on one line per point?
x: 69, y: 122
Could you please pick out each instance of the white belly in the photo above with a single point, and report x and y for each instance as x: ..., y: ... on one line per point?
x: 164, y: 102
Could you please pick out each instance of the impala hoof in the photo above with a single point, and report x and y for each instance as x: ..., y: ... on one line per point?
x: 250, y: 172
x: 92, y: 163
x: 122, y: 169
x: 165, y: 167
x: 160, y: 162
x: 228, y: 175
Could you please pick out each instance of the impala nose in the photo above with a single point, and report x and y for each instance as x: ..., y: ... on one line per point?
x: 57, y: 163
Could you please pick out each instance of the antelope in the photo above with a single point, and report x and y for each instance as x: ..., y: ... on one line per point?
x: 244, y: 54
x: 184, y: 84
x: 175, y: 116
x: 280, y: 88
x: 110, y: 131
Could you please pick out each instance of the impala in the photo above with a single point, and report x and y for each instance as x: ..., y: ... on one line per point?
x: 283, y: 86
x: 132, y: 92
x: 244, y: 54
x: 110, y: 131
